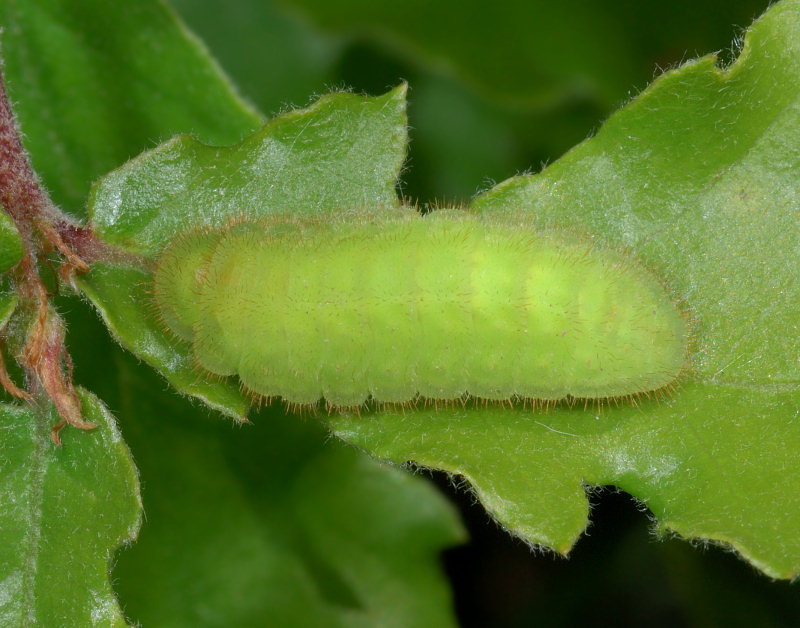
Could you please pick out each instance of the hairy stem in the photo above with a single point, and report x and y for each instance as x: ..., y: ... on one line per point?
x: 40, y: 224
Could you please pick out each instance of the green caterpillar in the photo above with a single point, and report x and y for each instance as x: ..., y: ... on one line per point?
x: 397, y: 306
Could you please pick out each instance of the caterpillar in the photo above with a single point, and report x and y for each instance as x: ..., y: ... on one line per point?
x: 396, y: 306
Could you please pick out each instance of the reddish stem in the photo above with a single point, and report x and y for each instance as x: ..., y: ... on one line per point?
x: 20, y: 193
x: 39, y: 222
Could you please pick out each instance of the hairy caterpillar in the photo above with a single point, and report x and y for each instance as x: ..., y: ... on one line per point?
x: 397, y: 306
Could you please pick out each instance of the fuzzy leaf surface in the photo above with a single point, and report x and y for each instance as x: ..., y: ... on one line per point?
x: 63, y: 512
x: 699, y: 176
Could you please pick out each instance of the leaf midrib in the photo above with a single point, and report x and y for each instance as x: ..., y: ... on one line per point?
x: 38, y: 466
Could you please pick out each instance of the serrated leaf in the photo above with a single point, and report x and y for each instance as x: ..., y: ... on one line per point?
x: 699, y: 176
x: 63, y: 511
x: 10, y: 243
x: 345, y: 151
x: 111, y: 79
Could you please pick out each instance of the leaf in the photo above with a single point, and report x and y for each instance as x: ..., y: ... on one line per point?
x: 303, y: 531
x: 95, y: 82
x: 10, y: 243
x: 63, y: 511
x: 345, y: 151
x: 698, y: 176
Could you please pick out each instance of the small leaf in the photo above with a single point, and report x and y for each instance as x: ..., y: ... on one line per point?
x: 10, y: 243
x: 345, y: 151
x: 63, y: 511
x: 699, y: 176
